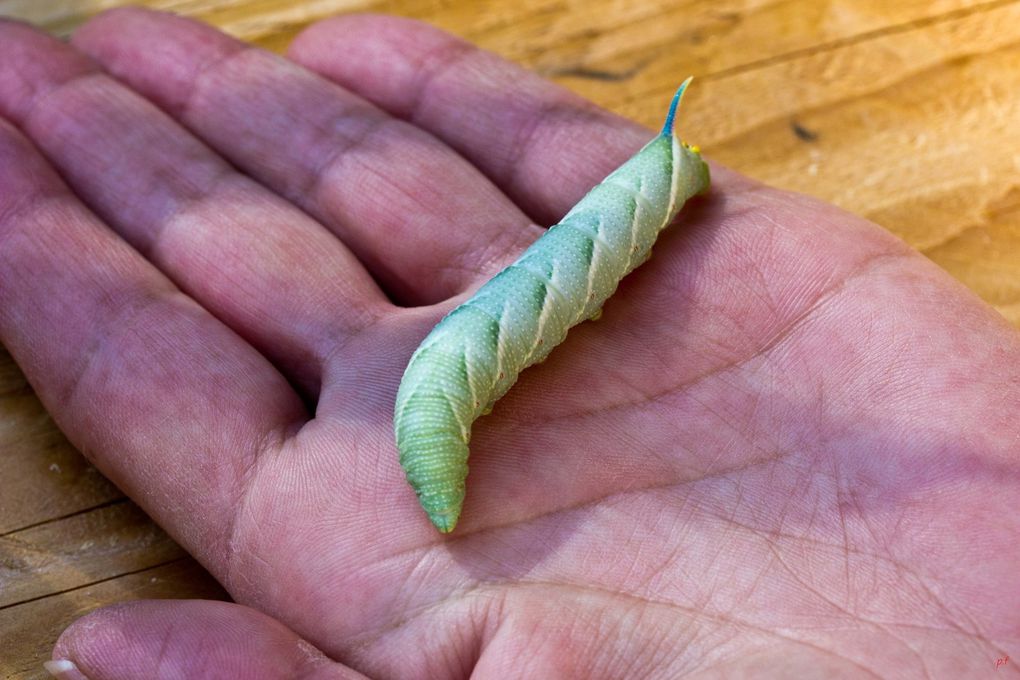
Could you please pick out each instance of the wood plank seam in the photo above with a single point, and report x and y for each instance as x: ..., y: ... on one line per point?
x: 848, y: 41
x: 91, y: 584
x: 51, y: 520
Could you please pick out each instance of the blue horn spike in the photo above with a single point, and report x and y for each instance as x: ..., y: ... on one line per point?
x: 667, y: 128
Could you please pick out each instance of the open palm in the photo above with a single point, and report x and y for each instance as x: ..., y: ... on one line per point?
x: 790, y: 446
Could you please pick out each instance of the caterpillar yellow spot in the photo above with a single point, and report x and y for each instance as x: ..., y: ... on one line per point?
x: 471, y: 357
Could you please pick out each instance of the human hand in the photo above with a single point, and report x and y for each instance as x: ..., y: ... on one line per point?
x: 788, y: 448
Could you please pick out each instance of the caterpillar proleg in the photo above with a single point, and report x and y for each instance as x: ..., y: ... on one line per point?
x: 475, y: 353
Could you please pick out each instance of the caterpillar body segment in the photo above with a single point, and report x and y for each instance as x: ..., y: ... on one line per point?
x: 476, y: 352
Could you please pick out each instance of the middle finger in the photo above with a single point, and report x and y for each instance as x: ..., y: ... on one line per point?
x: 425, y: 222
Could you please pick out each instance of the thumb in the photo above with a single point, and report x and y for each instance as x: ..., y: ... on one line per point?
x: 177, y: 639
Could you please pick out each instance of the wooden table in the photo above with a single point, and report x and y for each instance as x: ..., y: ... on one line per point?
x: 905, y: 112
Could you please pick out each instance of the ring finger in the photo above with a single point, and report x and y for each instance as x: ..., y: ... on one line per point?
x: 266, y: 269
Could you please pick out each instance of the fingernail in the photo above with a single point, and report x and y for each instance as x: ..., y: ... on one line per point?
x: 63, y: 669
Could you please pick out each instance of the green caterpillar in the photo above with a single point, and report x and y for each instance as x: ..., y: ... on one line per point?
x: 475, y: 353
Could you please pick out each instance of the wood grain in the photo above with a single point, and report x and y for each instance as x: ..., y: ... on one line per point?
x: 44, y: 476
x: 903, y: 112
x: 75, y: 551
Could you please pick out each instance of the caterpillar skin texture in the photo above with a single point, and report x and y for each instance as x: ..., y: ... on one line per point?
x: 473, y: 356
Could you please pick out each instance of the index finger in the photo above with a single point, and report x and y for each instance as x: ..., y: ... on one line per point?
x: 540, y: 143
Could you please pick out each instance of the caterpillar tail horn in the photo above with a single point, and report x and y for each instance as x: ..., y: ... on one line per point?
x: 667, y: 127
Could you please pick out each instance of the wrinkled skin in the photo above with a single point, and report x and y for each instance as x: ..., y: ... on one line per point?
x: 790, y: 446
